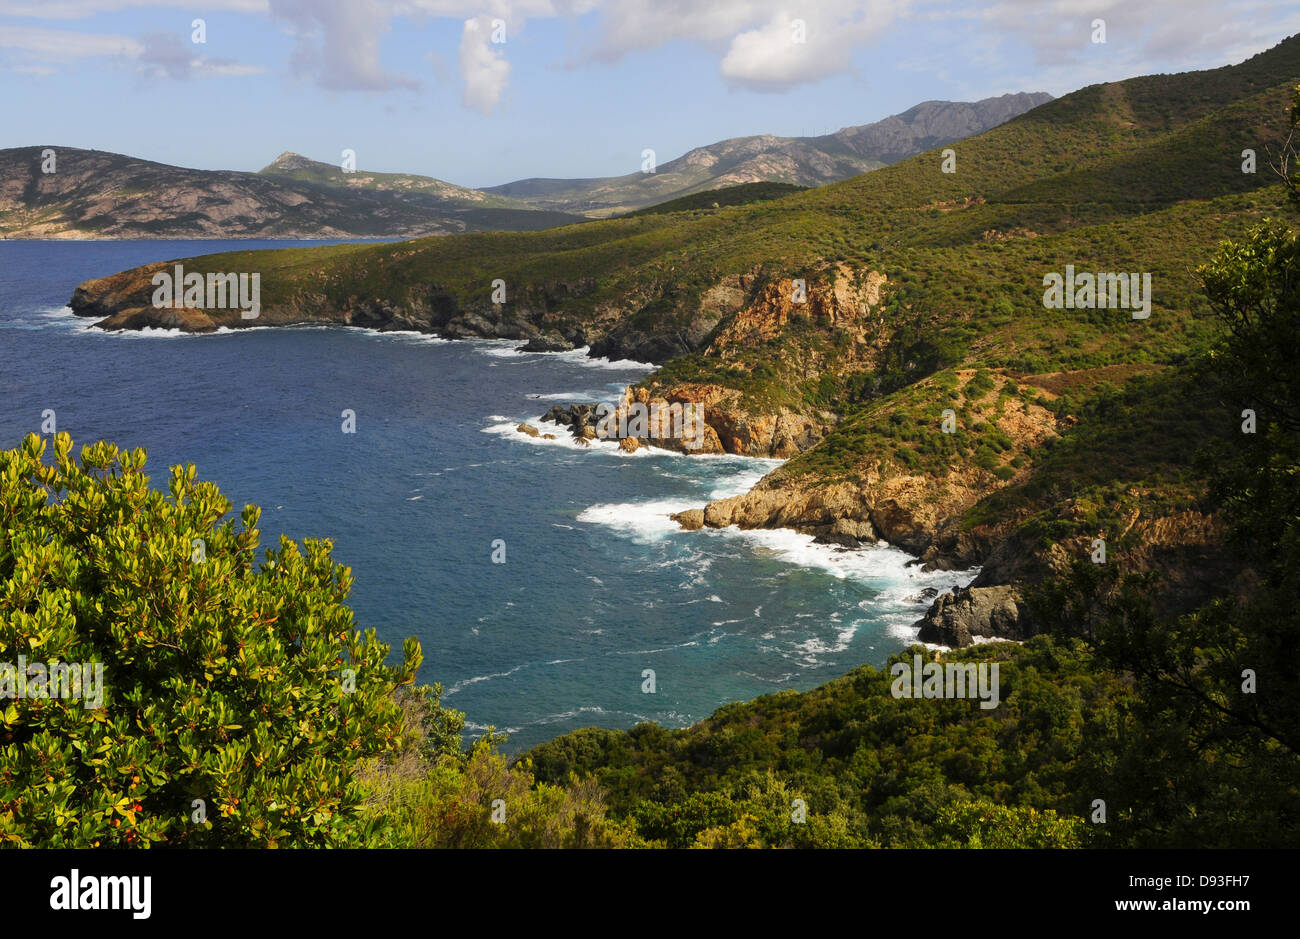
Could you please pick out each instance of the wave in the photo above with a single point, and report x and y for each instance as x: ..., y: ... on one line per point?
x: 465, y: 683
x: 884, y: 567
x: 643, y: 521
x: 513, y: 348
x: 582, y: 357
x: 575, y: 396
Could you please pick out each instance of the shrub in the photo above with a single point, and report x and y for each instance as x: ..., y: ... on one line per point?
x: 240, y: 689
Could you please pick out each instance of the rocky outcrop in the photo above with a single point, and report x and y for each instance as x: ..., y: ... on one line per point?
x: 549, y: 341
x: 840, y: 300
x: 956, y: 619
x: 1186, y: 548
x: 580, y: 419
x: 839, y: 514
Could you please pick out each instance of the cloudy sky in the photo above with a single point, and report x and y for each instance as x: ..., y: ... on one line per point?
x: 483, y: 93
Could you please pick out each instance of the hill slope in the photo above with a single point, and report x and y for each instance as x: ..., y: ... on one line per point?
x: 293, y: 166
x: 107, y: 195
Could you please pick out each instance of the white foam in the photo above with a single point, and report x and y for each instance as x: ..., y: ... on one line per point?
x: 642, y: 521
x: 63, y: 314
x: 581, y: 356
x: 489, y: 677
x: 883, y: 567
x: 742, y: 481
x: 812, y: 647
x: 575, y: 396
x: 514, y: 349
x: 500, y: 348
x: 509, y: 428
x: 152, y: 332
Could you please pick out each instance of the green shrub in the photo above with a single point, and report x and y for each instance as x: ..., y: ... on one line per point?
x: 239, y: 700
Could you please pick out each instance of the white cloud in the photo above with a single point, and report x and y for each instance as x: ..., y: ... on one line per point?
x: 158, y: 55
x: 338, y: 42
x: 483, y: 68
x: 167, y: 55
x: 64, y: 45
x: 1152, y: 36
x: 757, y: 35
x: 82, y: 9
x: 786, y: 51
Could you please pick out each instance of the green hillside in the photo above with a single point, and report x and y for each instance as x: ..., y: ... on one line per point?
x: 744, y: 194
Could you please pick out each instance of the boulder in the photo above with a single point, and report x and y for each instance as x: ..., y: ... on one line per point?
x: 549, y: 341
x: 691, y: 519
x: 956, y: 618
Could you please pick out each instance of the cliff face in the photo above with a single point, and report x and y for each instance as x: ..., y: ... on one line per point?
x: 125, y: 301
x: 539, y: 313
x: 838, y: 303
x: 917, y: 511
x: 937, y: 517
x: 923, y: 516
x: 1184, y: 547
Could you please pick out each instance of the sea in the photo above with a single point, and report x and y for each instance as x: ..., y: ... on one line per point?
x: 604, y: 613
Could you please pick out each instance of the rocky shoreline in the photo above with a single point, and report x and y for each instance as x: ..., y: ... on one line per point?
x: 923, y: 517
x: 922, y: 513
x: 841, y: 515
x: 124, y: 301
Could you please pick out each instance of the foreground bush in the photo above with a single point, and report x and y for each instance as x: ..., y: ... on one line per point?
x: 239, y: 701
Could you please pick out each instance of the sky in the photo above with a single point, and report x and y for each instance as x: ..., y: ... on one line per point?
x: 482, y: 93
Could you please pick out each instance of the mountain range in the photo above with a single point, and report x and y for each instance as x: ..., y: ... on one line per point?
x: 800, y: 161
x: 93, y: 194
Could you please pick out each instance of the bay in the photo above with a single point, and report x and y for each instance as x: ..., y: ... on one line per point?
x: 598, y: 585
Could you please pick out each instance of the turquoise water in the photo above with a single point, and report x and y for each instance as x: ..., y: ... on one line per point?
x: 598, y: 585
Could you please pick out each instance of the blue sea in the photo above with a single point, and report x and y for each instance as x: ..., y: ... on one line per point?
x: 598, y: 585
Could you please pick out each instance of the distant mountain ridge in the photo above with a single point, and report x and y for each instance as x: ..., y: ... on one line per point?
x: 94, y: 194
x: 289, y: 165
x: 799, y: 161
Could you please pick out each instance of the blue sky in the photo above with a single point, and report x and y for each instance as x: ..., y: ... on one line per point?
x: 578, y: 87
